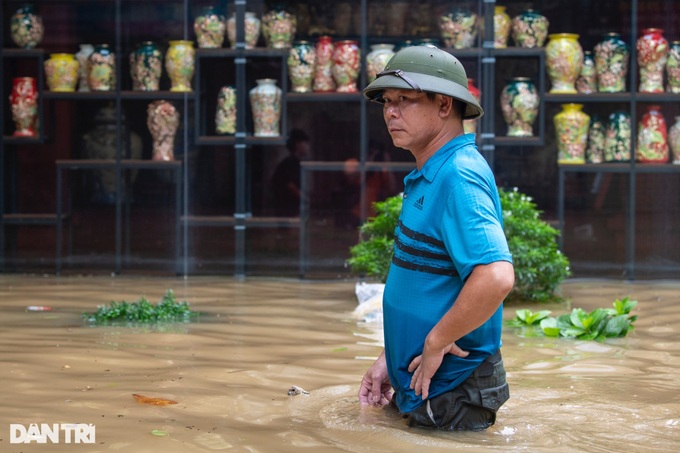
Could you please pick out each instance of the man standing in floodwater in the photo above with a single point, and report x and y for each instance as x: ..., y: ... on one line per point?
x: 451, y: 269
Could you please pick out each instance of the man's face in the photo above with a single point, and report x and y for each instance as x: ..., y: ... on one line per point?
x: 411, y: 118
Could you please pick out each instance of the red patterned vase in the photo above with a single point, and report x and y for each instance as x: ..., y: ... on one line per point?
x: 345, y: 68
x: 652, y: 53
x: 24, y: 102
x: 323, y: 77
x: 652, y: 137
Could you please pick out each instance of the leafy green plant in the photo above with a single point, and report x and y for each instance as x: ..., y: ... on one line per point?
x: 373, y: 254
x: 142, y: 312
x: 539, y: 265
x: 598, y: 325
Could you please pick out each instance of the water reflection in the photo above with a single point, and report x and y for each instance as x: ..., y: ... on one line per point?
x: 231, y: 371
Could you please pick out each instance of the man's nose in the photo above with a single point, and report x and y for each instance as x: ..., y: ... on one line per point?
x: 391, y: 110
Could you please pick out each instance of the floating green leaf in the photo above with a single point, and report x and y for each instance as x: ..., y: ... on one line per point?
x: 598, y: 324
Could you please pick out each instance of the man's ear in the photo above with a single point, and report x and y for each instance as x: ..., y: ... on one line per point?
x: 445, y: 105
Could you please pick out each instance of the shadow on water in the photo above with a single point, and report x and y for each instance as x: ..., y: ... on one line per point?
x: 230, y: 372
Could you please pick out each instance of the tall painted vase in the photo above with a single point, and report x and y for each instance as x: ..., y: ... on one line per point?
x: 209, y: 26
x: 652, y: 53
x: 673, y: 68
x: 301, y: 66
x: 162, y: 120
x: 83, y: 56
x: 102, y: 69
x: 529, y: 29
x: 26, y: 27
x: 265, y: 103
x: 652, y: 137
x: 377, y: 59
x: 519, y: 104
x: 278, y: 28
x: 596, y: 141
x: 252, y: 28
x: 618, y: 140
x: 470, y: 126
x: 23, y: 101
x: 564, y: 58
x: 611, y: 63
x: 225, y: 116
x: 571, y: 130
x: 346, y: 64
x: 674, y: 141
x: 323, y: 75
x: 586, y: 83
x: 501, y: 27
x: 459, y: 28
x: 61, y: 71
x: 179, y: 62
x: 146, y: 66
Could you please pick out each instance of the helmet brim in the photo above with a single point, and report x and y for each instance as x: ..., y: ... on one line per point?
x: 425, y: 83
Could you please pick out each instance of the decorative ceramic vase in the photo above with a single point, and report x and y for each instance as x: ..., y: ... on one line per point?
x: 586, y: 82
x: 100, y: 142
x: 611, y: 63
x: 323, y: 76
x: 673, y: 68
x: 265, y: 103
x: 83, y: 56
x: 252, y: 30
x: 618, y: 139
x: 162, y: 119
x: 652, y: 53
x: 674, y: 141
x: 397, y: 15
x: 346, y: 64
x: 278, y: 28
x: 564, y: 58
x: 501, y: 27
x: 470, y: 126
x: 102, y: 69
x: 571, y: 131
x: 529, y: 29
x: 146, y: 66
x: 23, y: 101
x: 459, y: 28
x: 596, y: 140
x: 179, y: 63
x: 519, y: 104
x: 61, y: 70
x: 342, y: 18
x: 209, y: 27
x: 652, y: 137
x: 377, y: 59
x: 301, y: 66
x: 225, y: 117
x: 26, y: 27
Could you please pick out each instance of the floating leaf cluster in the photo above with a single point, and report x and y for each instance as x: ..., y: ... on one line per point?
x: 598, y: 325
x: 142, y: 312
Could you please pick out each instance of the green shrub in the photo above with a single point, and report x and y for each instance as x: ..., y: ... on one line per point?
x: 371, y: 257
x: 539, y: 265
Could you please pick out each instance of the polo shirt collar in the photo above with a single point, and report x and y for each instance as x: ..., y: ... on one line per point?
x: 434, y: 163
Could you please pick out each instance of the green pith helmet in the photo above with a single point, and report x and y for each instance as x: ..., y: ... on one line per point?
x: 426, y: 68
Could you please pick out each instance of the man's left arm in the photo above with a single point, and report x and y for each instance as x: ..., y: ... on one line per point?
x: 482, y: 294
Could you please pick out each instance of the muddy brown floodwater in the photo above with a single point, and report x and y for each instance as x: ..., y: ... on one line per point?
x: 230, y: 372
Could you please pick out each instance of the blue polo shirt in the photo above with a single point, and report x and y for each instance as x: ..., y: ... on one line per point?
x: 451, y: 221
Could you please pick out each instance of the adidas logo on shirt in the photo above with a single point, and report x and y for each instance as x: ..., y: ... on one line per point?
x: 419, y: 203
